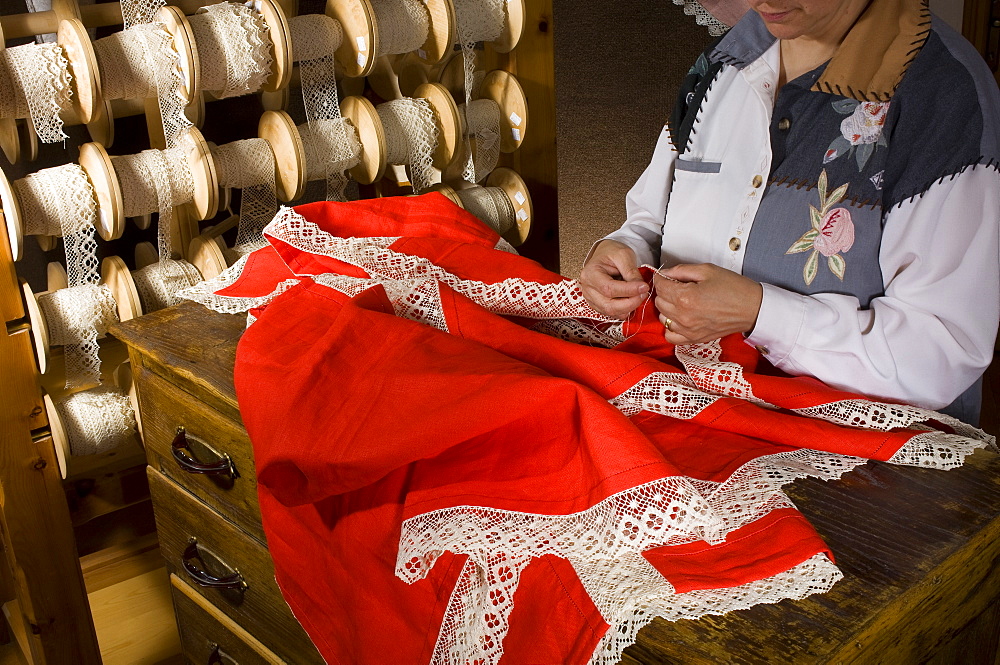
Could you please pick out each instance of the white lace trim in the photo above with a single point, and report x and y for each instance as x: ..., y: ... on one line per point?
x: 516, y: 297
x: 703, y: 17
x: 715, y: 376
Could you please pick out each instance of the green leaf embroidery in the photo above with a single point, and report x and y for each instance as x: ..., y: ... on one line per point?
x: 836, y: 196
x: 822, y: 188
x: 815, y: 218
x: 863, y: 154
x: 837, y: 265
x: 811, y: 267
x: 804, y: 243
x: 845, y: 106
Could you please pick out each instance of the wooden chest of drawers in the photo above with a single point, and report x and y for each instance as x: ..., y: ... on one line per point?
x: 919, y: 548
x: 204, y: 491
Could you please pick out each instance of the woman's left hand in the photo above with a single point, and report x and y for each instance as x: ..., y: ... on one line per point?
x: 703, y: 302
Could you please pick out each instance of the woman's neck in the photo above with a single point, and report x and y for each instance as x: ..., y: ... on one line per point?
x: 806, y: 52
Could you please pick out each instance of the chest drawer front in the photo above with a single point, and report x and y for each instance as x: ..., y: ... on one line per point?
x: 208, y: 438
x: 220, y: 551
x: 209, y: 637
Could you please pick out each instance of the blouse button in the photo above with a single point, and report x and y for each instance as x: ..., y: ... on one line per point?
x: 784, y: 124
x: 734, y: 243
x: 762, y: 350
x: 757, y: 181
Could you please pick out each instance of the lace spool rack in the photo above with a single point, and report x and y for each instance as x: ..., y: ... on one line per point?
x: 291, y: 155
x: 110, y: 224
x: 127, y: 286
x: 375, y: 28
x: 446, y: 119
x: 184, y: 29
x: 502, y: 98
x: 116, y: 179
x: 512, y: 221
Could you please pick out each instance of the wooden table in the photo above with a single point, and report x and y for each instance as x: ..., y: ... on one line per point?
x: 920, y: 549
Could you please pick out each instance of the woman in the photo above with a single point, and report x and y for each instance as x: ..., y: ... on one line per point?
x: 828, y: 186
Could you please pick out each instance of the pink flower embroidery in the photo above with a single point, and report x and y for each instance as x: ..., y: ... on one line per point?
x: 836, y: 232
x: 865, y: 124
x: 831, y: 232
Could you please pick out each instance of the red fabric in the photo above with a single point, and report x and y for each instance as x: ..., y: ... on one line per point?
x: 361, y: 419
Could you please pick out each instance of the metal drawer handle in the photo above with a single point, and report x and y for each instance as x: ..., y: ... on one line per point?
x: 233, y: 581
x: 220, y: 657
x: 223, y: 468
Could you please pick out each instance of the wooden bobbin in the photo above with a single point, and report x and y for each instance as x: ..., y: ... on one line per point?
x: 207, y: 251
x: 360, y: 47
x: 520, y: 199
x: 362, y: 114
x: 446, y: 117
x: 448, y: 191
x: 60, y: 440
x: 513, y: 27
x: 179, y: 27
x: 204, y: 204
x: 39, y: 327
x: 278, y: 128
x: 55, y: 276
x: 116, y: 275
x: 31, y: 24
x: 79, y: 53
x: 13, y: 218
x: 502, y: 87
x: 28, y: 139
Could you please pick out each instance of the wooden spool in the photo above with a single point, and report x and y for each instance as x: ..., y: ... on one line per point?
x: 503, y: 89
x: 107, y: 187
x: 278, y: 128
x: 517, y: 193
x: 448, y: 122
x: 39, y: 327
x: 79, y: 52
x: 383, y: 78
x: 124, y: 380
x: 55, y: 276
x: 207, y: 251
x: 60, y: 439
x: 116, y: 275
x: 179, y: 27
x: 360, y: 48
x: 513, y: 27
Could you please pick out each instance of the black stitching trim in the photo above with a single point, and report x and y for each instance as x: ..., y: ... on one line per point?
x: 799, y: 183
x: 991, y: 163
x: 687, y: 126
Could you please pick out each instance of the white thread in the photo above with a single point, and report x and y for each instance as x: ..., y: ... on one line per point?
x: 249, y: 165
x: 411, y: 136
x: 402, y: 25
x: 96, y: 420
x: 37, y: 78
x: 234, y: 49
x: 491, y: 205
x: 159, y: 283
x: 331, y: 148
x: 481, y: 118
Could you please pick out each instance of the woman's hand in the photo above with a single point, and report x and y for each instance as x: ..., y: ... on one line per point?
x: 610, y: 280
x: 703, y: 302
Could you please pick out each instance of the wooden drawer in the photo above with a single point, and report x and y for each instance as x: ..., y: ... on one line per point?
x: 209, y: 637
x: 225, y: 550
x: 209, y: 435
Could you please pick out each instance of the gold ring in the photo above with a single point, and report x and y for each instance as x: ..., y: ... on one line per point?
x: 667, y: 322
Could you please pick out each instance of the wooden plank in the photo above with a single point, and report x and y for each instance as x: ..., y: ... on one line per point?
x: 135, y: 619
x: 121, y: 562
x: 37, y: 531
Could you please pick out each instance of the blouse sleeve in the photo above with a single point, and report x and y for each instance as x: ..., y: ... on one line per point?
x: 931, y: 335
x: 646, y: 204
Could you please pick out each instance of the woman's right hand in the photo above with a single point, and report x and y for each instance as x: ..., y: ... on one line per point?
x: 610, y: 280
